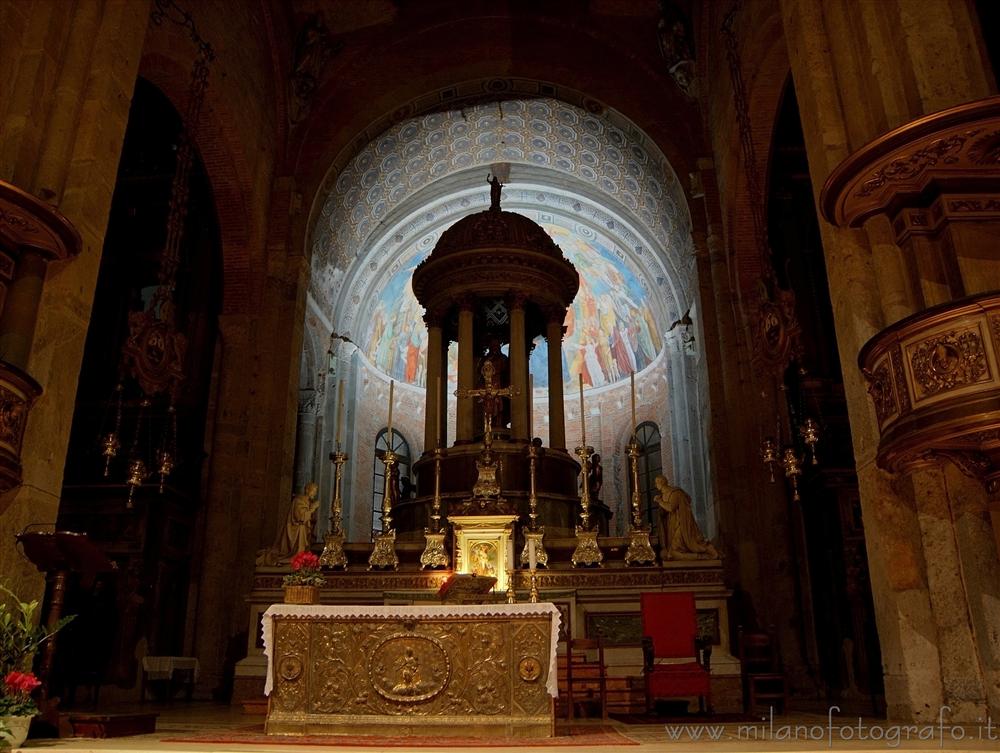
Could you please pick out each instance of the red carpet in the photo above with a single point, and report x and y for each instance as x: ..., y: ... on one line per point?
x: 687, y: 718
x: 566, y: 736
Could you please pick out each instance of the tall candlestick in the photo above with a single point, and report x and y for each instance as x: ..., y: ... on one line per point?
x: 510, y: 553
x: 340, y: 412
x: 633, y: 403
x: 532, y: 556
x: 392, y: 386
x: 583, y: 419
x: 531, y: 406
x: 437, y: 433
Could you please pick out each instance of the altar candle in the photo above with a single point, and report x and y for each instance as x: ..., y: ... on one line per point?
x: 340, y: 412
x: 532, y: 561
x: 633, y: 404
x: 531, y: 405
x: 392, y: 386
x: 437, y: 433
x: 583, y: 419
x: 510, y: 553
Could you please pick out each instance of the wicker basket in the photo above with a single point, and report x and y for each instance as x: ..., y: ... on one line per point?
x: 302, y: 594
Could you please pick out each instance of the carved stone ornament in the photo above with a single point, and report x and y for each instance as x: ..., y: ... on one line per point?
x: 314, y: 48
x: 882, y: 391
x: 777, y: 333
x: 948, y: 361
x: 154, y: 351
x: 931, y: 377
x: 18, y: 392
x: 953, y: 150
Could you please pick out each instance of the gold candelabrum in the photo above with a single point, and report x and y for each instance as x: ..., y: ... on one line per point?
x: 434, y: 556
x: 333, y: 555
x: 534, y: 532
x: 533, y: 592
x: 640, y: 551
x: 587, y: 552
x: 511, y: 593
x: 788, y: 458
x: 383, y: 556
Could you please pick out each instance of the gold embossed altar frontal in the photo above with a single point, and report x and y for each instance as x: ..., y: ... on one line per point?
x: 471, y: 669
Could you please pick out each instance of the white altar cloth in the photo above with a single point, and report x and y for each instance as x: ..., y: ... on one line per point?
x: 402, y: 612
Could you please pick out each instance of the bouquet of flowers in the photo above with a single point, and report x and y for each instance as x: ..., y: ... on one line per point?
x: 305, y: 571
x: 16, y: 699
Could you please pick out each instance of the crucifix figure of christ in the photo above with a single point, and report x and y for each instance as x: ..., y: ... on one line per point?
x: 491, y: 398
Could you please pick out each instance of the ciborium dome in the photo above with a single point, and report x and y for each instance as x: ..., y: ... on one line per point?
x: 495, y: 284
x: 495, y: 253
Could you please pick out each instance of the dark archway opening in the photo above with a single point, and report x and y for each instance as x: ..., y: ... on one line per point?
x: 835, y: 590
x: 143, y: 607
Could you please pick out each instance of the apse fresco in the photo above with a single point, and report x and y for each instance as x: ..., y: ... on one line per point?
x: 397, y: 336
x: 610, y: 329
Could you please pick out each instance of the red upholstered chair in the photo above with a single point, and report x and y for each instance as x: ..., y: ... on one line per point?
x: 670, y: 633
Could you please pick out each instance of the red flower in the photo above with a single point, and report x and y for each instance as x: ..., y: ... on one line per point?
x: 21, y: 682
x: 305, y: 561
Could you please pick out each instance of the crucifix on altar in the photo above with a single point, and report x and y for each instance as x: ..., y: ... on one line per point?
x: 486, y: 490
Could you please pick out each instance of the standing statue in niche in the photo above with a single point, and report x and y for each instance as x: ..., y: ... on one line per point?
x: 297, y: 533
x: 675, y: 47
x: 680, y: 536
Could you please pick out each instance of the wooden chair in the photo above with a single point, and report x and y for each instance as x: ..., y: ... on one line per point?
x: 670, y: 632
x: 763, y: 680
x: 581, y: 677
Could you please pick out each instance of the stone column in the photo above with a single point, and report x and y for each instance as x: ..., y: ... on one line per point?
x: 435, y: 371
x: 557, y: 420
x: 305, y: 447
x: 466, y: 377
x: 443, y: 397
x: 518, y: 370
x: 961, y: 674
x: 833, y: 44
x: 20, y: 309
x: 70, y: 161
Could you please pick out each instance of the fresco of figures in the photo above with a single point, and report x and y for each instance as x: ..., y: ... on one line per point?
x: 610, y: 330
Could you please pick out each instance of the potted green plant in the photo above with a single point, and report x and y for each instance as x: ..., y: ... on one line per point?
x: 303, y: 583
x: 20, y: 637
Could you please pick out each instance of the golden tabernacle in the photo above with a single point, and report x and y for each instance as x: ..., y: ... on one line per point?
x: 486, y: 669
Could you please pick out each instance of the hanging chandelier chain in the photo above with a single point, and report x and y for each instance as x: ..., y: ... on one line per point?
x: 754, y: 182
x: 180, y: 188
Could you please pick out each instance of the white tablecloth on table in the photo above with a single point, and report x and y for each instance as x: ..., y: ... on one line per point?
x: 402, y: 612
x: 163, y: 667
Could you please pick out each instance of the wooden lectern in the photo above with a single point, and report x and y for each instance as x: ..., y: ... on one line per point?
x: 57, y: 554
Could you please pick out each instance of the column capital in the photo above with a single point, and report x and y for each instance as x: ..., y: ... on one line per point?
x: 554, y: 315
x: 515, y: 300
x: 467, y: 302
x: 434, y: 319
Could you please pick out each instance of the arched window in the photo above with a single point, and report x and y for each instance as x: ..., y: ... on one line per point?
x: 650, y: 466
x: 402, y: 450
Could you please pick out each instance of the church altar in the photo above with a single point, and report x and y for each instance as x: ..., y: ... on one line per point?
x: 408, y: 670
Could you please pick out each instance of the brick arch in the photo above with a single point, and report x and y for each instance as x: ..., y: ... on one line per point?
x: 227, y: 171
x: 764, y: 53
x: 475, y: 49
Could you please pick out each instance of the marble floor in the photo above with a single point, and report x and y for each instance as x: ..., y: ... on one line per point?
x: 797, y: 732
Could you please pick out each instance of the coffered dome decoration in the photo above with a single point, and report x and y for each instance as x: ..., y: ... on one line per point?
x: 575, y: 167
